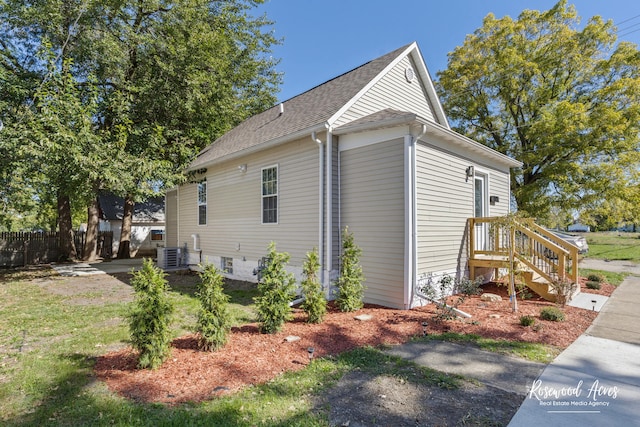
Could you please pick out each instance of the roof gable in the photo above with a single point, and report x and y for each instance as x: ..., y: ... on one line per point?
x: 404, y: 85
x: 317, y: 108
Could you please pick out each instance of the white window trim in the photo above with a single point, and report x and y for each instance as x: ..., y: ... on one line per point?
x: 277, y: 195
x: 198, y: 203
x: 487, y: 189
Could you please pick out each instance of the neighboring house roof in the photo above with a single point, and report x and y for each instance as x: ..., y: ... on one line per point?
x: 319, y: 108
x: 112, y: 207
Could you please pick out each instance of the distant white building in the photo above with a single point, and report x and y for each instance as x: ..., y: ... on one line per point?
x: 579, y: 227
x: 148, y: 225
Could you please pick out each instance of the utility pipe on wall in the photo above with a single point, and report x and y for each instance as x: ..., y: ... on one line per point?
x: 320, y: 203
x: 329, y: 192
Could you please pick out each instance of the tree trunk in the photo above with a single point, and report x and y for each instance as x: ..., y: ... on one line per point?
x: 124, y: 248
x: 67, y: 245
x: 91, y: 240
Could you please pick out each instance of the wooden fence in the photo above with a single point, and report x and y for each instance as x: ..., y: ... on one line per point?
x: 18, y: 249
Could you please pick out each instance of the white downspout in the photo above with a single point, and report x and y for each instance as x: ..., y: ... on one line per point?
x: 177, y: 216
x: 414, y: 215
x: 329, y: 192
x: 408, y: 221
x: 320, y: 204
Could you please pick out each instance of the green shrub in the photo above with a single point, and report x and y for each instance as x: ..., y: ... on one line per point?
x: 214, y: 320
x: 150, y: 316
x: 552, y: 313
x: 593, y: 284
x: 564, y: 289
x: 527, y: 320
x: 596, y: 277
x: 315, y: 303
x: 276, y: 290
x: 350, y: 287
x: 448, y: 286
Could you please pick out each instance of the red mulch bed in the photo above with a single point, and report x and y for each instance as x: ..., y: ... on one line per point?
x: 252, y: 358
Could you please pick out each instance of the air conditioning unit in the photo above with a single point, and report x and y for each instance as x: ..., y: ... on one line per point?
x: 169, y: 258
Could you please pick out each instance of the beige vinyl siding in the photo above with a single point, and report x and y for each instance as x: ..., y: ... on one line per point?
x: 372, y: 206
x: 171, y: 215
x: 444, y: 203
x: 392, y: 91
x: 234, y: 209
x: 499, y: 186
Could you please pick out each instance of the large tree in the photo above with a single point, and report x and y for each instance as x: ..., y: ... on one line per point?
x: 562, y: 98
x: 179, y: 75
x: 157, y: 80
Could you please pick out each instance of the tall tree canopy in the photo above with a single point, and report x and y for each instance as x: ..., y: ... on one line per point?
x: 561, y: 98
x: 156, y: 81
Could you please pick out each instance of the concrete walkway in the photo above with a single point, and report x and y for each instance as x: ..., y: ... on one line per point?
x: 596, y: 380
x: 507, y: 373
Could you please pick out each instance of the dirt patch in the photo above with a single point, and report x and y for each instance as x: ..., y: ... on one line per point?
x: 361, y: 399
x: 91, y: 289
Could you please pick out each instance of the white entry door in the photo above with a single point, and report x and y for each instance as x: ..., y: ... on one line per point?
x: 481, y: 210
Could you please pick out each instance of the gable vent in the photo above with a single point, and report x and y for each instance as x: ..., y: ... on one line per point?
x: 409, y: 74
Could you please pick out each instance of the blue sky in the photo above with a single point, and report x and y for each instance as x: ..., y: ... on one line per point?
x: 325, y: 38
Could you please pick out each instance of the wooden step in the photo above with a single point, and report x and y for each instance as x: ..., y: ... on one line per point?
x: 541, y: 286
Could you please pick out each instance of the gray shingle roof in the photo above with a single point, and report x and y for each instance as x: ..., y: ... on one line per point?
x: 308, y: 110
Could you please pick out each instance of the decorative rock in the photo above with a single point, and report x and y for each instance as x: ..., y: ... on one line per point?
x: 494, y: 316
x: 490, y: 297
x: 363, y: 317
x: 292, y: 338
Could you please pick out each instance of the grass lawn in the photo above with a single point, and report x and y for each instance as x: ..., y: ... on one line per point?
x: 614, y: 246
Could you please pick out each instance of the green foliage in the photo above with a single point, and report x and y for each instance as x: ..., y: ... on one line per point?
x: 592, y: 284
x: 350, y: 283
x: 595, y: 277
x: 150, y: 316
x: 315, y: 303
x: 563, y: 98
x: 276, y: 291
x: 82, y: 89
x: 564, y: 289
x: 527, y: 320
x: 553, y: 314
x: 611, y: 278
x: 214, y: 320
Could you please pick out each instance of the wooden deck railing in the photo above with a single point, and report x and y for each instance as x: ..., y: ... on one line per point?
x: 540, y: 250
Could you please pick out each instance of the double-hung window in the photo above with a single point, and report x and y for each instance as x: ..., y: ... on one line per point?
x: 270, y: 195
x: 202, y: 203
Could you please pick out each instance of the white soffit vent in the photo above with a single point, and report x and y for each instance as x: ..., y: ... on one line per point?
x: 409, y: 74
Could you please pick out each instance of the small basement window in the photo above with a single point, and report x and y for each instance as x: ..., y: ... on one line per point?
x: 226, y: 264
